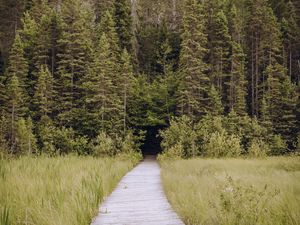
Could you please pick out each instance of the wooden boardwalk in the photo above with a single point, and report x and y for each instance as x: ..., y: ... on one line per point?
x: 138, y: 200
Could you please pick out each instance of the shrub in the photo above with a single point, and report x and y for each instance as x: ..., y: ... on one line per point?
x: 220, y: 144
x: 278, y: 145
x: 25, y: 139
x: 175, y: 152
x: 180, y: 133
x: 258, y: 148
x: 104, y: 145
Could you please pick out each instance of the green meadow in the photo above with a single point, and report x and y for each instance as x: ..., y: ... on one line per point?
x: 234, y: 191
x: 57, y: 191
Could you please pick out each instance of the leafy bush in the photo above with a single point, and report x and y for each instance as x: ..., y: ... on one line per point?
x: 175, y: 152
x: 180, y: 133
x: 25, y: 139
x: 220, y: 144
x: 104, y: 145
x: 258, y: 148
x: 278, y: 145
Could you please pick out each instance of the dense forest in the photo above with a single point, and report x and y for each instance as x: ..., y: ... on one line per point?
x: 89, y: 76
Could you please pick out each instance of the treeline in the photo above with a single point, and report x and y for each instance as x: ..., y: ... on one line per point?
x: 83, y: 74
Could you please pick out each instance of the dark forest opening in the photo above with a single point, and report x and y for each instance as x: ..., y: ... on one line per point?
x: 151, y: 145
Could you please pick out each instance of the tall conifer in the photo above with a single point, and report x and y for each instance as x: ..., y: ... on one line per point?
x: 195, y: 82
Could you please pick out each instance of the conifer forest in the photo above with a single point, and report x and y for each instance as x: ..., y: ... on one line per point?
x: 77, y: 73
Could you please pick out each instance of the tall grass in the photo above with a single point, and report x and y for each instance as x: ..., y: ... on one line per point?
x: 56, y: 191
x: 234, y: 191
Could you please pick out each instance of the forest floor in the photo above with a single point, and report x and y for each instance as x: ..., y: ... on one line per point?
x: 138, y: 199
x: 234, y: 191
x: 60, y: 191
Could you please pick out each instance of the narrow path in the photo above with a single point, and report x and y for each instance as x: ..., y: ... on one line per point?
x: 138, y: 200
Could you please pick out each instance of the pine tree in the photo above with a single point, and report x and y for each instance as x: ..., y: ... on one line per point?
x: 101, y: 96
x: 43, y: 97
x: 15, y: 106
x: 124, y: 23
x: 237, y: 88
x: 195, y: 83
x: 108, y: 26
x: 281, y: 100
x: 215, y: 107
x: 73, y: 59
x: 102, y: 6
x: 264, y: 47
x: 291, y: 34
x: 25, y: 139
x: 18, y: 65
x: 219, y: 43
x: 43, y: 43
x: 126, y: 84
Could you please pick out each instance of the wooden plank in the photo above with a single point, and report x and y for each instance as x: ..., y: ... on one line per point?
x: 139, y: 199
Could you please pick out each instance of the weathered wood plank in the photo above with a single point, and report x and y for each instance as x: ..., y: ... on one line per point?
x: 138, y: 200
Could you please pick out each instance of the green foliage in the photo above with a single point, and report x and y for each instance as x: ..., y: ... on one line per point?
x: 180, y: 138
x: 101, y: 99
x: 222, y: 145
x: 258, y: 148
x: 25, y: 139
x: 104, y: 145
x: 43, y: 97
x: 218, y: 136
x: 124, y: 23
x: 215, y: 107
x: 278, y: 145
x: 112, y: 145
x: 112, y: 66
x: 194, y: 84
x: 73, y: 59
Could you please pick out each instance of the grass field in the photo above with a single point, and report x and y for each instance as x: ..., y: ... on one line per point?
x: 56, y: 191
x: 234, y: 191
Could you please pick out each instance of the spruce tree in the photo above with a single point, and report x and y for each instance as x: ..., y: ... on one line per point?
x: 126, y: 84
x: 215, y: 107
x: 108, y: 26
x: 264, y: 47
x: 281, y: 100
x: 43, y: 97
x: 101, y: 98
x: 73, y: 59
x: 18, y: 65
x: 15, y: 106
x: 102, y: 6
x: 291, y: 35
x: 237, y: 88
x: 25, y: 139
x: 124, y: 23
x: 194, y: 85
x: 219, y: 45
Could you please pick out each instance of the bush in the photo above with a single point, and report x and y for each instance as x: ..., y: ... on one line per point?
x: 278, y: 145
x: 258, y: 148
x: 25, y: 139
x: 175, y: 152
x: 180, y: 133
x: 220, y: 144
x: 104, y: 145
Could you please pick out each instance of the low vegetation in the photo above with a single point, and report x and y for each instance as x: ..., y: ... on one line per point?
x: 234, y: 191
x: 57, y: 191
x: 223, y: 136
